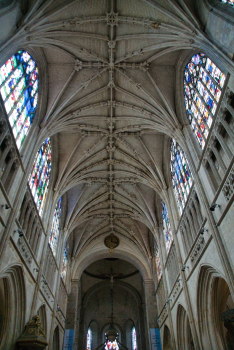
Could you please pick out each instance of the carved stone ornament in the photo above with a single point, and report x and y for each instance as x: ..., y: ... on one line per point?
x: 111, y: 242
x: 33, y: 337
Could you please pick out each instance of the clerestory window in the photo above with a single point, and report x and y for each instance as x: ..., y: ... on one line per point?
x: 180, y: 175
x: 19, y: 91
x: 203, y: 84
x: 40, y: 175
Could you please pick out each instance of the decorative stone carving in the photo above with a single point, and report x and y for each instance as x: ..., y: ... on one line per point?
x: 197, y: 249
x: 33, y: 337
x: 24, y: 250
x: 228, y: 187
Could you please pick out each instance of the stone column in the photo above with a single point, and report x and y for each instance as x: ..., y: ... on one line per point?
x: 72, y: 304
x: 150, y: 306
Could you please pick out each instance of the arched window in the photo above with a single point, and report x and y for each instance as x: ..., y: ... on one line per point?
x: 19, y: 90
x: 157, y: 262
x: 203, y: 83
x: 65, y: 260
x: 40, y: 175
x: 134, y: 340
x: 166, y: 227
x: 180, y: 175
x: 230, y: 2
x: 54, y: 232
x: 89, y: 339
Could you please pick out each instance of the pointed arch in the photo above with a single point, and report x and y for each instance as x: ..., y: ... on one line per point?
x: 203, y: 84
x: 40, y: 175
x: 13, y: 305
x: 41, y: 312
x: 180, y: 174
x: 166, y: 226
x: 55, y: 345
x: 167, y: 338
x: 19, y: 92
x: 184, y: 334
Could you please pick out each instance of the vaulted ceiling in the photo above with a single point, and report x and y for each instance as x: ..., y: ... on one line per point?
x: 111, y: 103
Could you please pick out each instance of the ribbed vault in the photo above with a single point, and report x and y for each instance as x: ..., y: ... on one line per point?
x: 111, y: 103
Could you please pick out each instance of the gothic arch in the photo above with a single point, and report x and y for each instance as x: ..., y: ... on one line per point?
x: 125, y: 286
x: 184, y: 334
x: 167, y: 345
x: 213, y: 298
x: 88, y: 257
x: 41, y: 312
x: 13, y: 305
x: 55, y: 345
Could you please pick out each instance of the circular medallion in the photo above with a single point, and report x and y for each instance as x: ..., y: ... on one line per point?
x: 111, y: 242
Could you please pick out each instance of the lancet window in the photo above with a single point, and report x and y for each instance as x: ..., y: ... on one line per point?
x: 166, y: 227
x: 54, y: 232
x: 89, y: 339
x: 40, y: 175
x: 180, y: 175
x: 19, y: 91
x: 157, y: 262
x: 203, y: 83
x: 134, y: 340
x: 65, y: 260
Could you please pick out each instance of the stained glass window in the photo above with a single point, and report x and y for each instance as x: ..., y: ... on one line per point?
x: 54, y: 232
x: 40, y: 175
x: 112, y: 345
x: 180, y: 175
x: 158, y: 265
x: 166, y: 226
x: 89, y: 339
x: 65, y: 261
x: 203, y: 83
x: 230, y: 2
x: 19, y: 90
x: 134, y: 340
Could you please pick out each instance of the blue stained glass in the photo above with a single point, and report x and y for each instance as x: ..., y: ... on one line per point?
x: 203, y: 83
x: 180, y: 174
x: 17, y: 77
x: 166, y: 226
x: 40, y: 175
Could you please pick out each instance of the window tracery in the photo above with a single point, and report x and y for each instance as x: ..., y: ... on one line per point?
x: 166, y: 227
x: 54, y: 232
x: 180, y: 175
x: 40, y: 175
x: 89, y: 339
x: 19, y: 91
x: 203, y: 83
x: 65, y: 261
x: 134, y: 340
